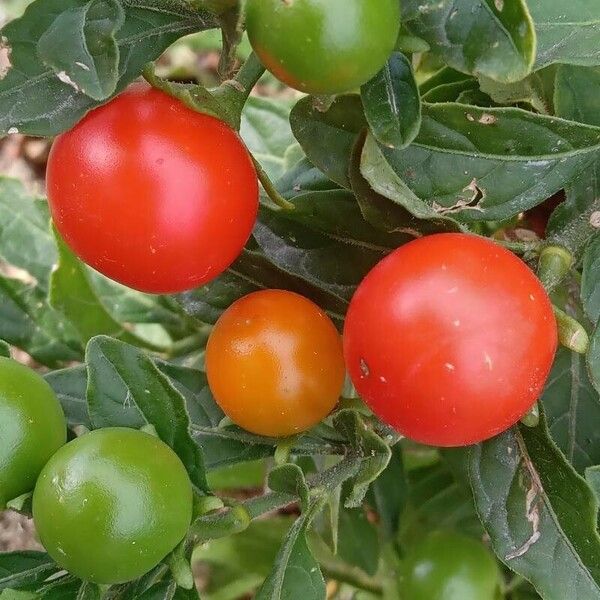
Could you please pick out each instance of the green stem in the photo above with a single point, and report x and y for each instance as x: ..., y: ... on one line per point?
x: 233, y: 93
x: 520, y: 247
x: 322, y: 483
x: 344, y: 573
x: 271, y: 190
x: 189, y: 344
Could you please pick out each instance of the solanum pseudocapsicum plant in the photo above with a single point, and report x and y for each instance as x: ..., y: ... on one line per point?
x: 187, y: 319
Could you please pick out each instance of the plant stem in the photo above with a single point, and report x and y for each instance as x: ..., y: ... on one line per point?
x: 268, y: 186
x: 519, y: 247
x: 322, y: 483
x: 233, y: 93
x: 353, y: 576
x: 189, y: 344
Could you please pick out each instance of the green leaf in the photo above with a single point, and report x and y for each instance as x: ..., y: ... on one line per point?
x: 536, y: 90
x: 24, y: 570
x: 490, y: 163
x: 25, y: 239
x: 289, y: 479
x: 240, y: 563
x: 389, y: 493
x: 383, y: 212
x: 296, y: 573
x: 535, y: 506
x: 577, y: 219
x: 375, y: 454
x: 378, y: 173
x: 392, y: 103
x: 70, y: 386
x: 494, y: 38
x: 26, y: 321
x: 328, y: 136
x: 576, y: 95
x: 71, y: 293
x: 358, y: 540
x: 168, y: 590
x: 592, y: 476
x: 81, y: 47
x: 126, y: 388
x: 266, y: 132
x: 16, y: 595
x: 438, y: 499
x: 567, y: 32
x: 251, y: 272
x: 336, y: 261
x: 593, y: 358
x: 35, y: 101
x: 590, y: 279
x: 450, y: 92
x: 302, y: 177
x: 4, y: 349
x: 572, y: 408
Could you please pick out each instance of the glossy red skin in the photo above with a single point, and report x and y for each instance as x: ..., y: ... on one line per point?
x: 450, y: 339
x: 152, y: 194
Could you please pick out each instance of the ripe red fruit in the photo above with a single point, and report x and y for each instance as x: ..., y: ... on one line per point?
x: 450, y: 339
x: 151, y: 193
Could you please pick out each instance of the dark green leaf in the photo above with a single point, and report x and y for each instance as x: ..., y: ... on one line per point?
x: 302, y: 177
x: 577, y: 219
x: 334, y: 263
x: 438, y: 500
x: 328, y: 136
x: 536, y: 90
x: 4, y: 349
x: 26, y: 321
x: 70, y: 386
x: 490, y: 163
x: 592, y: 476
x: 296, y: 573
x: 392, y: 103
x: 572, y: 407
x: 539, y: 514
x: 374, y: 453
x: 593, y: 359
x: 482, y: 37
x: 81, y: 47
x: 576, y: 94
x: 590, y: 280
x: 389, y: 492
x: 567, y: 32
x: 126, y: 388
x: 358, y: 541
x: 450, y: 92
x: 383, y: 212
x: 24, y: 570
x: 34, y: 100
x: 252, y: 272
